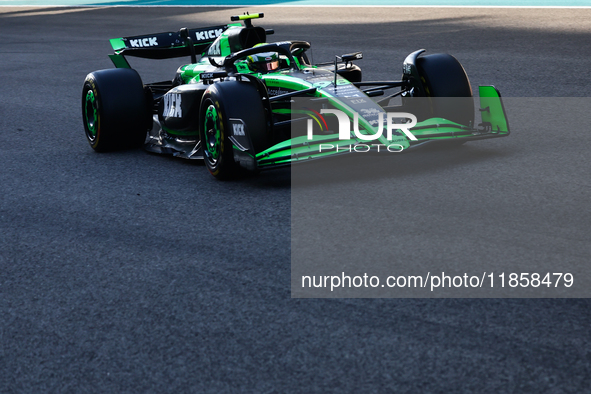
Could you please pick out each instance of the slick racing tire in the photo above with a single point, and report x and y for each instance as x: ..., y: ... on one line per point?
x: 442, y: 75
x: 221, y: 102
x: 114, y: 109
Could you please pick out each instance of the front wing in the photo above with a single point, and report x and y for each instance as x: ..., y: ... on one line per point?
x: 299, y: 149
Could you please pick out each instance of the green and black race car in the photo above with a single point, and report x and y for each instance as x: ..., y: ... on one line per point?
x: 245, y: 103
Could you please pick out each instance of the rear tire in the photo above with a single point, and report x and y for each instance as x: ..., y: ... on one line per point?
x: 220, y: 103
x: 114, y: 109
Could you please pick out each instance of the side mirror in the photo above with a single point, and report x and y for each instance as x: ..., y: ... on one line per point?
x: 352, y: 56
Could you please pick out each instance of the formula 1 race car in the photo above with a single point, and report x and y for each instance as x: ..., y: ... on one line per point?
x: 235, y: 106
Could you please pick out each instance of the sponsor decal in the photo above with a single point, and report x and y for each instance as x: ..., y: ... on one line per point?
x: 342, y: 90
x: 322, y: 84
x: 242, y: 67
x: 213, y: 75
x: 144, y: 42
x: 276, y: 92
x: 273, y: 82
x: 320, y: 76
x: 208, y: 34
x: 172, y: 106
x: 327, y: 77
x: 215, y: 50
x: 238, y: 129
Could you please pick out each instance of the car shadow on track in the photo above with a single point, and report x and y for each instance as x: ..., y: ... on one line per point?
x: 357, y: 167
x: 396, y: 166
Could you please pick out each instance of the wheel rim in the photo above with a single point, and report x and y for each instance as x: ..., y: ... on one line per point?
x: 213, y: 134
x: 91, y: 115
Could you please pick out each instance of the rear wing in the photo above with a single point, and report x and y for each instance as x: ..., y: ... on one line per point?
x: 164, y: 45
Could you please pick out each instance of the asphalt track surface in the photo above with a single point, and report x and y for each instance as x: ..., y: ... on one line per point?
x: 130, y: 272
x: 304, y: 3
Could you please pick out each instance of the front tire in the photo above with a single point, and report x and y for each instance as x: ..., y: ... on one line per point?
x: 445, y: 80
x: 114, y: 109
x: 350, y: 72
x: 221, y: 102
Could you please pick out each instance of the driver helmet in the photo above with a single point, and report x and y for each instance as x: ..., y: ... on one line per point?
x: 263, y: 62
